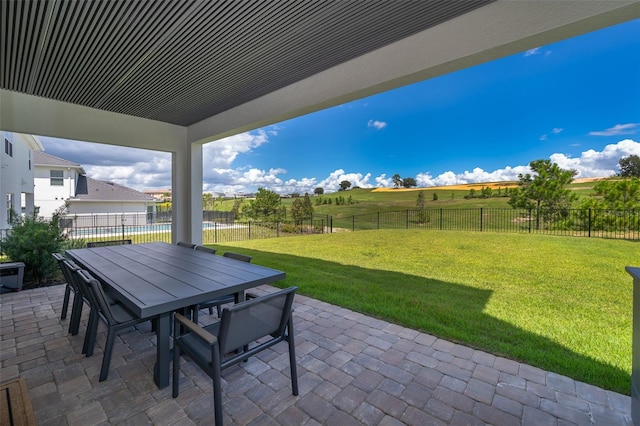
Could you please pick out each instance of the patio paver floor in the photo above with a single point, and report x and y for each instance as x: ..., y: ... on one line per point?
x: 352, y: 369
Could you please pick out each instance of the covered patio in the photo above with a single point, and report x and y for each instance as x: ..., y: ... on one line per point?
x: 174, y: 75
x: 353, y: 369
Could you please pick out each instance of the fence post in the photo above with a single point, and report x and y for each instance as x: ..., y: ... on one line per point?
x: 277, y: 229
x: 249, y: 229
x: 215, y: 232
x: 353, y: 222
x: 589, y: 233
x: 529, y: 221
x: 441, y: 218
x: 480, y: 219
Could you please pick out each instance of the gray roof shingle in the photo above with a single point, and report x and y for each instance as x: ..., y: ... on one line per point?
x: 41, y: 158
x: 89, y: 189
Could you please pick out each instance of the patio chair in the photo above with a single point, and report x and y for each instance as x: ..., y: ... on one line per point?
x: 70, y: 270
x: 264, y: 322
x: 185, y: 244
x: 116, y: 317
x: 222, y: 300
x: 238, y: 256
x: 206, y: 249
x: 78, y: 301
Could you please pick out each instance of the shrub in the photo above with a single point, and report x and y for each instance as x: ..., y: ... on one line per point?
x: 31, y: 241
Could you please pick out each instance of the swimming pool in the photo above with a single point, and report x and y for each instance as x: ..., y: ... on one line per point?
x: 156, y: 228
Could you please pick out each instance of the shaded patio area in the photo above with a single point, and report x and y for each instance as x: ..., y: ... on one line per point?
x: 353, y: 369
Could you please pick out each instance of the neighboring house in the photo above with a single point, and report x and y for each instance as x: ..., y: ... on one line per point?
x: 17, y: 175
x: 55, y: 182
x: 159, y: 194
x: 90, y: 202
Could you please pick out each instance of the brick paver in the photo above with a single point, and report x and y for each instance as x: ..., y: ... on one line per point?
x: 352, y: 369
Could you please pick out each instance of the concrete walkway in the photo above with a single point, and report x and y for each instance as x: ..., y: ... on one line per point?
x: 353, y: 369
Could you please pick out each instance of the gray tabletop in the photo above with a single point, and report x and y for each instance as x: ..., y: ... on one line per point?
x: 156, y: 278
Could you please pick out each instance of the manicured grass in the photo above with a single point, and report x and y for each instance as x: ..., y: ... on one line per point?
x: 559, y: 303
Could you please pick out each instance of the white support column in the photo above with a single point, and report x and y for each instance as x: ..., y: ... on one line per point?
x: 186, y: 194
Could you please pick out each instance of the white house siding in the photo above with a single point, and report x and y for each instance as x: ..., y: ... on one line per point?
x: 51, y: 198
x: 16, y: 174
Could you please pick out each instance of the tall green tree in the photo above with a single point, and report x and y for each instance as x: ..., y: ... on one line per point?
x: 318, y: 191
x: 344, y: 185
x: 301, y: 209
x: 630, y: 166
x: 546, y: 189
x: 621, y: 194
x: 409, y: 182
x: 397, y: 180
x: 266, y: 206
x: 420, y: 204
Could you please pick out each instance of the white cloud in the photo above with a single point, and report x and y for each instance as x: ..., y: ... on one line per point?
x: 477, y: 175
x: 534, y: 51
x: 376, y: 124
x: 537, y: 51
x: 141, y: 169
x: 592, y: 163
x: 618, y: 129
x: 556, y: 130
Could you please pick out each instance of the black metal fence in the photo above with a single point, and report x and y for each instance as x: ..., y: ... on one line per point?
x: 622, y: 224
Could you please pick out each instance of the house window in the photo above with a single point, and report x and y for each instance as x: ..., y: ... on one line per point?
x: 8, y: 147
x: 29, y: 160
x: 9, y: 207
x: 57, y: 177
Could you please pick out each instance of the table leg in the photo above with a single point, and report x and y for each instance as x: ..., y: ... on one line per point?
x: 163, y: 350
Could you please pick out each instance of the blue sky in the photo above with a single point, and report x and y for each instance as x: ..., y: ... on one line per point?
x: 576, y: 102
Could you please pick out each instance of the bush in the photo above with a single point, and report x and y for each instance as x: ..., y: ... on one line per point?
x: 31, y: 241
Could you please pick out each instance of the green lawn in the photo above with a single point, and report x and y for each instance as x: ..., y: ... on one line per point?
x: 560, y: 303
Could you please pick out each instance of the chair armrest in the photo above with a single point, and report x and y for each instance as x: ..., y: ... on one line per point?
x: 196, y: 329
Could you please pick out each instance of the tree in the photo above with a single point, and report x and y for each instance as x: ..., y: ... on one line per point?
x: 630, y: 166
x: 344, y: 185
x: 618, y: 194
x: 266, y: 206
x: 546, y: 190
x: 409, y: 182
x: 318, y: 191
x: 208, y: 201
x: 397, y: 180
x: 423, y: 217
x: 301, y: 209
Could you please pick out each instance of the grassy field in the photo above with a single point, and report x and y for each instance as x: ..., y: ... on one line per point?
x: 388, y: 199
x: 562, y: 304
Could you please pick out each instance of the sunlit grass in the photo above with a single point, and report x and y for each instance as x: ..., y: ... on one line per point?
x: 559, y: 303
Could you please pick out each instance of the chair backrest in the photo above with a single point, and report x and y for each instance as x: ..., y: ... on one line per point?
x: 69, y: 269
x: 185, y: 244
x: 249, y: 321
x: 97, y: 294
x: 107, y: 243
x: 59, y: 257
x: 237, y: 256
x: 206, y: 249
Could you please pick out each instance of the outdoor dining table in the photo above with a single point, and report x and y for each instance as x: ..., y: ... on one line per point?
x: 155, y: 279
